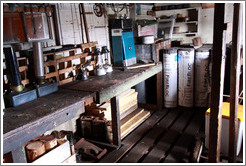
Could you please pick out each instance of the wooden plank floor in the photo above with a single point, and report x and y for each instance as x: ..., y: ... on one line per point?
x: 166, y: 136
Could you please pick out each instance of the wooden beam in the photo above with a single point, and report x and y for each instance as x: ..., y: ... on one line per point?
x: 218, y: 72
x: 115, y: 114
x: 85, y: 23
x: 234, y: 81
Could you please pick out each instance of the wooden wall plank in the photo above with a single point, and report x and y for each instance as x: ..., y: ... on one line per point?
x: 218, y: 71
x: 234, y: 81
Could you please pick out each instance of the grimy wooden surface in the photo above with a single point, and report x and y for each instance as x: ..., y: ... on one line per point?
x: 25, y: 122
x: 167, y: 138
x: 112, y: 84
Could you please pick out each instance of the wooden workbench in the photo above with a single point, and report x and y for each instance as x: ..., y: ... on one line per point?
x: 109, y: 86
x: 25, y: 122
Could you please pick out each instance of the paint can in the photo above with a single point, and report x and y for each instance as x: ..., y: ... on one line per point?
x: 170, y: 78
x: 185, y: 76
x: 202, y: 77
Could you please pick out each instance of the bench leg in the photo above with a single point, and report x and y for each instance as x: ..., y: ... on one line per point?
x: 115, y: 114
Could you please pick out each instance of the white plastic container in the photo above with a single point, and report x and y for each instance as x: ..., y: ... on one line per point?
x: 224, y: 145
x: 170, y: 77
x: 185, y: 77
x: 201, y: 77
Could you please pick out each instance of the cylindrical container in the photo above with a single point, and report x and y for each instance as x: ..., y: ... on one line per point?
x: 185, y: 76
x: 109, y: 130
x: 49, y: 142
x: 99, y: 129
x: 34, y: 150
x: 86, y: 126
x: 148, y: 39
x: 13, y: 69
x: 170, y: 77
x: 39, y: 62
x: 201, y: 77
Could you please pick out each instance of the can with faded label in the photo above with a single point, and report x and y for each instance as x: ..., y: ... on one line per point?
x: 202, y: 77
x: 170, y: 75
x: 185, y: 76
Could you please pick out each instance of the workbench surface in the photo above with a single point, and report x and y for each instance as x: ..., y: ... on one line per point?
x: 27, y: 121
x: 113, y: 84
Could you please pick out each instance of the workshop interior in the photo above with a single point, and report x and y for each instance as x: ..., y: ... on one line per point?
x: 122, y: 82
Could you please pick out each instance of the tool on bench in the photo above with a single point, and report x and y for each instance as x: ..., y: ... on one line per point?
x: 17, y: 94
x: 108, y: 67
x: 99, y: 66
x: 43, y: 88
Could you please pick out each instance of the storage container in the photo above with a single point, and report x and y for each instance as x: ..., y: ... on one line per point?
x: 185, y: 76
x: 170, y: 77
x: 202, y: 77
x: 224, y: 147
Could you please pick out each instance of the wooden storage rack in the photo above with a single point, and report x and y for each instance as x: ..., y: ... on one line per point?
x: 57, y: 64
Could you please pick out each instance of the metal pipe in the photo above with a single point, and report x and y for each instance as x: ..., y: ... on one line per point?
x: 38, y: 62
x: 13, y: 69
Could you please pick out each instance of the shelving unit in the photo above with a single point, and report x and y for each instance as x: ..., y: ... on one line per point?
x: 187, y: 28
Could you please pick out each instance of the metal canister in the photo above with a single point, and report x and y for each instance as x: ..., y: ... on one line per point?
x: 202, y: 77
x: 99, y: 129
x: 109, y: 135
x: 185, y: 76
x: 170, y: 77
x: 86, y: 126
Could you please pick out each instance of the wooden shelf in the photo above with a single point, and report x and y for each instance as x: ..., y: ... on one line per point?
x: 187, y: 22
x: 185, y: 33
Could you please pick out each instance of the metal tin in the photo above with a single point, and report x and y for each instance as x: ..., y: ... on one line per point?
x: 185, y: 77
x: 170, y: 75
x: 201, y: 77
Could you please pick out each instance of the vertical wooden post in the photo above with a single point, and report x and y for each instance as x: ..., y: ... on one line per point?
x: 159, y: 91
x: 85, y: 23
x: 218, y: 72
x: 19, y: 155
x: 234, y: 81
x: 115, y: 114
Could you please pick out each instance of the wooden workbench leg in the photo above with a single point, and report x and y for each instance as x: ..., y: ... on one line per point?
x: 115, y: 114
x: 19, y: 155
x: 159, y: 91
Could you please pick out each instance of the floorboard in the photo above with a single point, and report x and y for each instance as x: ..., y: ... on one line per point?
x: 133, y: 138
x: 166, y: 136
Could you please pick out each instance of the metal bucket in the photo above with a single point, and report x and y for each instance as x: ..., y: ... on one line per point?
x: 185, y: 77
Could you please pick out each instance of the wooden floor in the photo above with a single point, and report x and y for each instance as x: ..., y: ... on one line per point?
x: 165, y: 137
